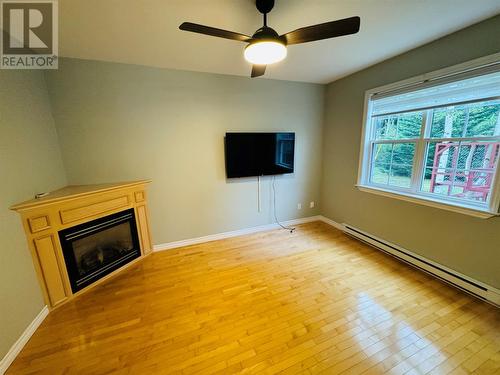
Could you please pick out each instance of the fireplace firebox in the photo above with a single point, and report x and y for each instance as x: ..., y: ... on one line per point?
x: 96, y: 248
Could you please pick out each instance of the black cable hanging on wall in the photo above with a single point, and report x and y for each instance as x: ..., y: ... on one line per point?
x: 291, y: 229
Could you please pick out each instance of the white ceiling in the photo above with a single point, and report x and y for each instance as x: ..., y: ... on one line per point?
x: 146, y: 32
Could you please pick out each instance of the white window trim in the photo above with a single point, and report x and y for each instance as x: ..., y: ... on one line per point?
x: 406, y: 194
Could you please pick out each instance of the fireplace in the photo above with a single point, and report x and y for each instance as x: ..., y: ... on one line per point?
x: 97, y: 248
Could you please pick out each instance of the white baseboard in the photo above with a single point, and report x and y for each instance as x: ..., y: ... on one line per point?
x: 21, y: 341
x: 234, y: 233
x: 455, y: 278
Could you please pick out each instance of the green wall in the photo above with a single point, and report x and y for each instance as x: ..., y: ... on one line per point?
x: 123, y: 122
x: 30, y: 162
x: 464, y: 243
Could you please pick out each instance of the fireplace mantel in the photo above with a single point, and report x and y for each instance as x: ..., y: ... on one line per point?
x: 45, y: 217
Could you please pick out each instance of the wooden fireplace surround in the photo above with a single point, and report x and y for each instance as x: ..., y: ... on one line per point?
x: 43, y: 218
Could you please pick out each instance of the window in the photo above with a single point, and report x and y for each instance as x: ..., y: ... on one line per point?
x: 285, y: 149
x: 436, y: 140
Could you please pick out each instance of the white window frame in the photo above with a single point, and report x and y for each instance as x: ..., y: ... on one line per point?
x: 413, y: 194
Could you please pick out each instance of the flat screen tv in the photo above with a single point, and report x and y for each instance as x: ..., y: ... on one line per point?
x: 259, y: 154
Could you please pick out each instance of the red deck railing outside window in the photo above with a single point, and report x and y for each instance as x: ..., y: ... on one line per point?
x: 465, y: 180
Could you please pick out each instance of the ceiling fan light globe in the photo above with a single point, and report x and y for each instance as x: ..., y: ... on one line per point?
x: 265, y: 52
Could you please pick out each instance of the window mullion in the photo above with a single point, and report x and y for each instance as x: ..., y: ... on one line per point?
x: 370, y: 161
x: 418, y: 161
x: 418, y: 166
x: 494, y: 201
x: 427, y: 123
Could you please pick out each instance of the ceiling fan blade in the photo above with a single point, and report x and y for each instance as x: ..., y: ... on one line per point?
x: 212, y: 31
x: 258, y: 70
x: 326, y: 30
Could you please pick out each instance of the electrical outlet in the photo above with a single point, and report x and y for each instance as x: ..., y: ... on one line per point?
x: 299, y: 206
x: 311, y: 204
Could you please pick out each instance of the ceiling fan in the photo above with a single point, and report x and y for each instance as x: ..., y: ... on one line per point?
x: 266, y: 46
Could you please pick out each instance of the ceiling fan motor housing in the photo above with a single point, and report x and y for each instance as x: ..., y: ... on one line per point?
x: 264, y: 6
x: 266, y: 33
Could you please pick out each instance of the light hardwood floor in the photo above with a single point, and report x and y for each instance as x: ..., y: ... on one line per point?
x: 311, y: 302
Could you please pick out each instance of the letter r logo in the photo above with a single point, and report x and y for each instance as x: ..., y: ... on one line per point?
x: 27, y: 27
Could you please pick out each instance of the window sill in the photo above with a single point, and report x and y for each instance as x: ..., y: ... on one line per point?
x: 463, y: 209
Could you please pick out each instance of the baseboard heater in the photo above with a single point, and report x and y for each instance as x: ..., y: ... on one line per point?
x: 465, y: 283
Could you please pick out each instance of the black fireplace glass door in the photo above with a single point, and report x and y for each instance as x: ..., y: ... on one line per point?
x: 94, y: 249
